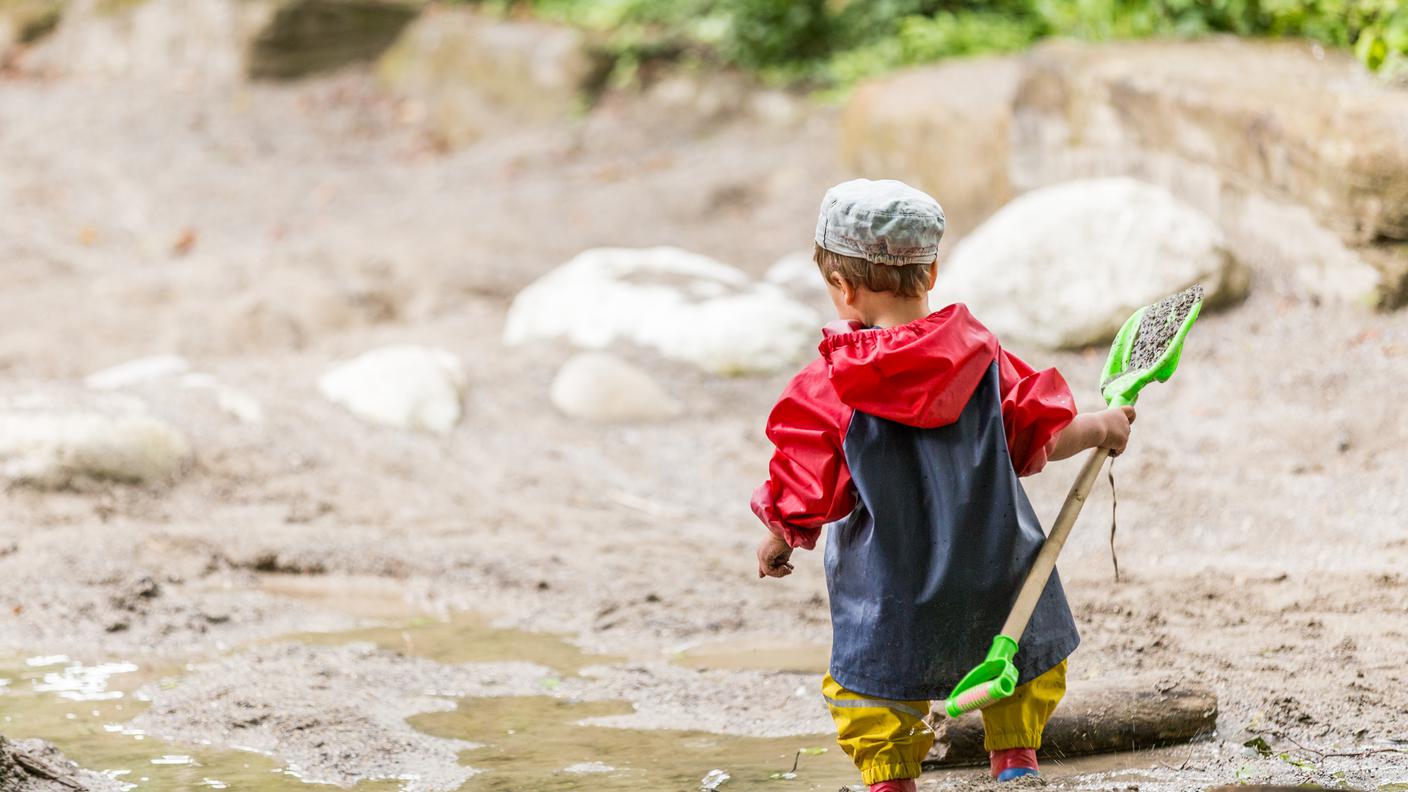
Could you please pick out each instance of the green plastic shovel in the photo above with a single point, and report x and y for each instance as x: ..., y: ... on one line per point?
x: 1147, y: 349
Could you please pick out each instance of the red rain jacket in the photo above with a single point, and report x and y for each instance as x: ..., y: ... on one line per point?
x: 921, y: 374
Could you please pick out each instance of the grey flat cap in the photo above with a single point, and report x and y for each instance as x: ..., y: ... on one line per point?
x: 884, y: 221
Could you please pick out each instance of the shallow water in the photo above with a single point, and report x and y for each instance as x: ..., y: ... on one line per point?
x: 466, y: 638
x: 759, y: 656
x: 528, y: 742
x: 83, y: 709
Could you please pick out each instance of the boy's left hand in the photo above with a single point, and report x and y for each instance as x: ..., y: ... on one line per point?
x: 773, y: 555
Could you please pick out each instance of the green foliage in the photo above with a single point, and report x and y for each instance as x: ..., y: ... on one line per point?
x: 764, y: 33
x: 836, y: 42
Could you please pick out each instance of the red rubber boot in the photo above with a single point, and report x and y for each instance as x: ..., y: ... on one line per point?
x: 1013, y: 763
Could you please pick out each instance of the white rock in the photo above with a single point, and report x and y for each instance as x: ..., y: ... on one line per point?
x: 584, y: 768
x: 135, y: 372
x: 51, y: 442
x: 1064, y: 266
x: 408, y: 387
x: 796, y: 272
x: 231, y: 401
x: 686, y: 306
x: 602, y: 387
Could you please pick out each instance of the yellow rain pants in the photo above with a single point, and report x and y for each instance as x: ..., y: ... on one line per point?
x: 887, y: 739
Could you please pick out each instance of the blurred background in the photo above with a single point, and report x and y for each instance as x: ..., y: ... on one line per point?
x: 382, y: 382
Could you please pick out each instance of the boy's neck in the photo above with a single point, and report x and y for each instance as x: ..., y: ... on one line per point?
x: 895, y: 312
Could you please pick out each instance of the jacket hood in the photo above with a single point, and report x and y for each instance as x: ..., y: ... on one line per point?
x: 920, y: 374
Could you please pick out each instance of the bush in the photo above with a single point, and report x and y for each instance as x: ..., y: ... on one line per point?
x: 839, y: 41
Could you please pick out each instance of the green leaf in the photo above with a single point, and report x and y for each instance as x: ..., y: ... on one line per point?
x: 1301, y: 763
x: 1259, y: 744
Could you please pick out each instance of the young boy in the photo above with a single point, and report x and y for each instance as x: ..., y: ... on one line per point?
x: 911, y: 430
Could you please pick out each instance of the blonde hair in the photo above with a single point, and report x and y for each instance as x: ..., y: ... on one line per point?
x: 908, y: 280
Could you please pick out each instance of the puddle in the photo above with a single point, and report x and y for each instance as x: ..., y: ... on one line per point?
x: 534, y: 742
x: 465, y: 638
x: 529, y: 743
x: 756, y: 655
x: 461, y: 637
x: 364, y: 597
x: 84, y: 708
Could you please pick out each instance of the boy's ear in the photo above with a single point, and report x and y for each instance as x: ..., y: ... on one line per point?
x: 933, y: 274
x: 848, y: 292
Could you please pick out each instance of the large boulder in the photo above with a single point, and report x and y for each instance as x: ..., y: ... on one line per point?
x: 1064, y: 266
x: 471, y: 72
x: 686, y: 306
x: 220, y: 41
x: 56, y: 439
x: 942, y: 128
x: 177, y: 41
x: 1298, y: 152
x: 306, y: 37
x: 407, y: 387
x: 26, y: 21
x: 602, y: 387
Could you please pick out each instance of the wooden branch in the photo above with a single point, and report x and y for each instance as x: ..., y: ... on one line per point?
x: 1098, y: 716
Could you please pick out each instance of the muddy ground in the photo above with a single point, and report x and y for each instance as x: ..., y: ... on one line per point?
x: 266, y: 233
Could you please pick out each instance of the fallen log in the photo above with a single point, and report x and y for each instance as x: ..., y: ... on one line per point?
x: 1099, y: 716
x: 1303, y: 788
x: 36, y: 765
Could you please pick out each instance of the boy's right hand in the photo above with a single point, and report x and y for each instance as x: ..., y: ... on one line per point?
x: 773, y: 555
x: 1116, y: 421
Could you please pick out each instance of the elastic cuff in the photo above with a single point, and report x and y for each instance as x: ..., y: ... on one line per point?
x: 874, y: 774
x: 766, y: 510
x: 1001, y: 741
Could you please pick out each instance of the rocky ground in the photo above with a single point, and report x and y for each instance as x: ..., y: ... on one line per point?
x: 266, y: 233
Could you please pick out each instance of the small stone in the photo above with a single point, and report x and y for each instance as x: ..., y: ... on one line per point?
x: 407, y: 387
x: 136, y: 372
x: 601, y: 387
x: 713, y: 780
x: 583, y: 768
x: 231, y: 401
